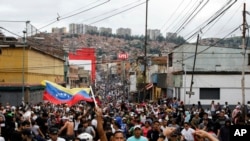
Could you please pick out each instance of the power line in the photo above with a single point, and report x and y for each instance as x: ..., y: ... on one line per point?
x: 108, y: 12
x: 190, y: 18
x: 172, y: 15
x: 32, y: 41
x: 79, y: 8
x: 117, y: 13
x: 111, y: 11
x: 188, y: 14
x: 211, y: 19
x: 227, y: 22
x: 17, y: 69
x: 209, y: 46
x: 7, y: 21
x: 53, y: 66
x: 84, y: 10
x: 177, y: 17
x: 62, y: 18
x: 58, y: 16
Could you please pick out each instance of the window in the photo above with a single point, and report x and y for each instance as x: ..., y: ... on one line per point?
x: 170, y: 59
x: 209, y: 93
x: 248, y: 58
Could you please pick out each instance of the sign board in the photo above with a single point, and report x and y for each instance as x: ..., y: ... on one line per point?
x: 123, y: 55
x: 188, y: 92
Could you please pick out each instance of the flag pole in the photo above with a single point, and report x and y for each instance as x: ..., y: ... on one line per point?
x: 93, y: 96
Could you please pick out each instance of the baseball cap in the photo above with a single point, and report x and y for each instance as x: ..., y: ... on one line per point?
x: 85, y: 136
x: 65, y: 118
x: 53, y: 130
x: 137, y: 127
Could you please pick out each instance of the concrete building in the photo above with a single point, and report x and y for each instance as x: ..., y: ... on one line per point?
x: 89, y: 28
x: 84, y: 77
x: 57, y: 30
x: 217, y: 74
x: 72, y: 28
x: 73, y: 77
x: 23, y: 67
x: 123, y: 32
x: 75, y: 28
x: 153, y: 33
x: 104, y: 30
x: 85, y: 58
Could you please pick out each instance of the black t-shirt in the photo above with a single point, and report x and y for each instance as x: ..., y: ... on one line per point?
x: 153, y: 135
x: 41, y: 122
x: 16, y: 136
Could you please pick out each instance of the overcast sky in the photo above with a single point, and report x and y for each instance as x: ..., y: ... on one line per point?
x: 166, y: 15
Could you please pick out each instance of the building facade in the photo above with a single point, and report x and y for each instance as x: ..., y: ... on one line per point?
x: 85, y: 58
x: 123, y: 32
x: 104, y: 30
x: 57, y: 30
x: 22, y: 70
x: 89, y: 29
x: 217, y: 74
x: 153, y: 33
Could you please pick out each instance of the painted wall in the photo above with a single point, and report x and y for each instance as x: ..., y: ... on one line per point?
x: 218, y: 65
x: 11, y: 66
x: 230, y: 88
x: 84, y: 57
x: 41, y: 66
x: 37, y: 67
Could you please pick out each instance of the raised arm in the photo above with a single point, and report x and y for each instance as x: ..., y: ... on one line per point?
x: 100, y: 129
x: 203, y: 134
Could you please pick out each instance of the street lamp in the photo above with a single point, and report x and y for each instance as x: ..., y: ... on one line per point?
x: 24, y: 41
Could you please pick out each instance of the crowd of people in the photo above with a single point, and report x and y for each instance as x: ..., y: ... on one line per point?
x: 170, y: 120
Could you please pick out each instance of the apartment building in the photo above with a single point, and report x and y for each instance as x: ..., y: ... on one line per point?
x: 123, y: 31
x: 89, y: 28
x: 104, y: 30
x: 57, y: 30
x: 153, y: 33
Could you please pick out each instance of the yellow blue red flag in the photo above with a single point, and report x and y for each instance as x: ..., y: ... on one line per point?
x: 57, y: 94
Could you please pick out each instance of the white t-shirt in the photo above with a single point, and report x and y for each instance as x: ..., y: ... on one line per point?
x: 58, y: 139
x: 94, y: 123
x: 188, y: 134
x: 35, y: 129
x: 2, y: 139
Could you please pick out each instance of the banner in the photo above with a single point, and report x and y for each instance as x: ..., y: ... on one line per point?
x: 57, y: 94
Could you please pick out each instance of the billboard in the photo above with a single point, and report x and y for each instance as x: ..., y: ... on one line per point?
x: 84, y: 57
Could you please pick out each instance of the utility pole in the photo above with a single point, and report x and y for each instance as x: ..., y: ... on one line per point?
x: 185, y: 78
x: 145, y: 50
x: 244, y: 58
x: 192, y: 81
x: 123, y: 79
x: 25, y: 35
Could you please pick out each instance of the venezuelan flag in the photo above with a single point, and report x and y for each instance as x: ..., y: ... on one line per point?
x: 57, y: 94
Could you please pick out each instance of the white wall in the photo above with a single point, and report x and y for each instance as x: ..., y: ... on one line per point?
x: 81, y: 63
x: 230, y: 88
